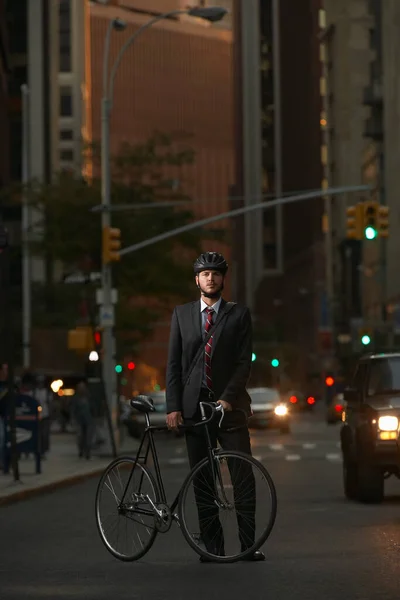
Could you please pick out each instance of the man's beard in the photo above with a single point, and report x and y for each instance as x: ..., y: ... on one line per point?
x: 212, y: 295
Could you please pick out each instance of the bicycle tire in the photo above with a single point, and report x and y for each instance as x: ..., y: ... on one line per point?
x: 157, y: 496
x: 260, y: 540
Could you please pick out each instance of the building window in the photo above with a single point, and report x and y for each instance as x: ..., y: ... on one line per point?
x: 66, y: 101
x: 324, y: 155
x: 66, y: 134
x: 65, y: 36
x: 322, y: 18
x: 322, y: 86
x: 67, y: 155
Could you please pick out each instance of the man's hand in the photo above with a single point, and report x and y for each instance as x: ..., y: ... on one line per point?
x: 225, y: 405
x: 174, y: 419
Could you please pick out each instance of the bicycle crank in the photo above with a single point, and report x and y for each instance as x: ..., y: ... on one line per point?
x: 163, y: 518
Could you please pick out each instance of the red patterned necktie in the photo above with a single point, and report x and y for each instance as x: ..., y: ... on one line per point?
x: 208, y: 348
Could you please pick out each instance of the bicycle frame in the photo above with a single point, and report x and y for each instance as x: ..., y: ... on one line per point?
x: 148, y: 435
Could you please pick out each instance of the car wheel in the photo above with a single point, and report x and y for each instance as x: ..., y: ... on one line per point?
x: 350, y: 480
x: 370, y: 484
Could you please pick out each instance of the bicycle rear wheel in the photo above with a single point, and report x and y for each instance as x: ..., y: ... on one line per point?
x: 227, y: 509
x: 127, y: 529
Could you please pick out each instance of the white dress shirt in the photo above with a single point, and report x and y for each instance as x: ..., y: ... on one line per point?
x: 203, y: 307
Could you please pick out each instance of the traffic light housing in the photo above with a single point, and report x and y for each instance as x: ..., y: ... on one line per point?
x: 371, y: 220
x: 383, y: 221
x: 365, y: 336
x: 111, y: 245
x: 355, y: 222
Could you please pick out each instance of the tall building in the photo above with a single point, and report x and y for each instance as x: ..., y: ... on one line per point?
x: 360, y: 47
x: 4, y: 98
x: 286, y: 254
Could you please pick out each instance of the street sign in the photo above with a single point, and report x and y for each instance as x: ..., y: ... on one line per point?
x: 107, y: 316
x: 99, y: 296
x: 80, y: 278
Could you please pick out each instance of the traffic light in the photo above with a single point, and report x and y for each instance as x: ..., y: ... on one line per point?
x: 383, y: 221
x: 371, y: 220
x: 355, y: 222
x: 131, y: 366
x: 118, y: 368
x: 111, y: 245
x: 329, y: 381
x: 365, y: 339
x: 97, y: 338
x: 253, y: 357
x: 275, y: 363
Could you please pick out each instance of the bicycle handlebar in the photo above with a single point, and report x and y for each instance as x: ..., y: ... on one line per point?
x: 215, y: 407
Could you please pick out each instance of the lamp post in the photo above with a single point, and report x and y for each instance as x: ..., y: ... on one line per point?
x: 210, y: 13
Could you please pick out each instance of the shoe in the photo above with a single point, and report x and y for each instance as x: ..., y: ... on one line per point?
x: 257, y: 556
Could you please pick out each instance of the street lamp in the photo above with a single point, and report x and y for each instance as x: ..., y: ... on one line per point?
x: 209, y: 13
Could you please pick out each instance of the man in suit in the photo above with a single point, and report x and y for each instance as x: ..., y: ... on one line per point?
x: 220, y: 375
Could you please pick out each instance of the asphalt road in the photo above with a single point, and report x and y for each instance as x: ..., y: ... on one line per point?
x: 322, y: 547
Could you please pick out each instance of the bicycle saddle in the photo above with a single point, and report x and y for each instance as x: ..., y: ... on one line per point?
x: 143, y: 404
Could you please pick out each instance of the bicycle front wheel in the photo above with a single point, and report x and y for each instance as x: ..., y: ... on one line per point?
x: 227, y: 508
x: 124, y: 515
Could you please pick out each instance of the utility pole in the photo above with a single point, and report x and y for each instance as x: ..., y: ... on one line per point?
x: 26, y: 262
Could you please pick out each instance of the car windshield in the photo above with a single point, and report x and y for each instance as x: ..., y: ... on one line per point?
x: 384, y: 376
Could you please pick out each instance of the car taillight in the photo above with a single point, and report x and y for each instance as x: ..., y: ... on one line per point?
x: 293, y: 399
x: 338, y: 408
x: 311, y: 400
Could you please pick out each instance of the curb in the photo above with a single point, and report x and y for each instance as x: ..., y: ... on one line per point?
x: 48, y: 487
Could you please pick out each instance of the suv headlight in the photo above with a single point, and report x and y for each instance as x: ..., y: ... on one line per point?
x: 281, y: 410
x: 388, y: 423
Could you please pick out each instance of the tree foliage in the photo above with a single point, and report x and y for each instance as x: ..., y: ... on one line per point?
x: 141, y: 174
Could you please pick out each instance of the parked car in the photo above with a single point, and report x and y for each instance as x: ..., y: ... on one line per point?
x: 334, y: 410
x: 369, y: 435
x: 269, y: 410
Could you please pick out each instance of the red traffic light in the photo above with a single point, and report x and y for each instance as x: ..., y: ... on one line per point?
x: 329, y: 381
x: 131, y: 366
x: 97, y: 337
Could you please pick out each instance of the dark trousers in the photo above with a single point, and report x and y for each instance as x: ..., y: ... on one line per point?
x: 243, y: 481
x: 85, y: 435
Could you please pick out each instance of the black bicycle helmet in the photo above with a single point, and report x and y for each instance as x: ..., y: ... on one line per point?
x: 210, y: 261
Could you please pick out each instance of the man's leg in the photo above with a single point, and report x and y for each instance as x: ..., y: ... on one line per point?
x: 243, y: 483
x: 210, y: 526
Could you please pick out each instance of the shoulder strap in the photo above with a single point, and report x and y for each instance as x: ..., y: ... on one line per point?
x: 227, y: 308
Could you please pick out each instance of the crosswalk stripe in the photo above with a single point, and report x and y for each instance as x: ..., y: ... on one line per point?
x: 309, y: 446
x: 276, y: 446
x: 333, y: 456
x: 293, y: 457
x: 177, y: 461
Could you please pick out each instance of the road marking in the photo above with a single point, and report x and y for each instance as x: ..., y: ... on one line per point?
x: 309, y: 446
x: 177, y: 461
x: 293, y: 457
x: 259, y: 458
x: 333, y: 457
x: 276, y: 446
x: 179, y: 450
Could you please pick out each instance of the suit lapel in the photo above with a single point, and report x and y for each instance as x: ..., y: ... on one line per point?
x: 196, y: 318
x: 221, y: 326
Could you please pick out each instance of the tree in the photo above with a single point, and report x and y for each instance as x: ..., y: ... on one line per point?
x: 148, y: 282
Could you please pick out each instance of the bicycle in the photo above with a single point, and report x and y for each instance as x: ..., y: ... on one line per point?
x: 148, y: 507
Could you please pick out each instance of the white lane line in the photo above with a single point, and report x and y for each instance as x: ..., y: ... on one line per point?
x: 292, y: 457
x: 333, y: 457
x: 276, y: 446
x: 309, y: 446
x: 176, y: 461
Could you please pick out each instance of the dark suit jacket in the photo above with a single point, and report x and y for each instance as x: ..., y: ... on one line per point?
x: 230, y: 358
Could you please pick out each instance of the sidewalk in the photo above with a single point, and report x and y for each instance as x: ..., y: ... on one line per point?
x: 62, y: 467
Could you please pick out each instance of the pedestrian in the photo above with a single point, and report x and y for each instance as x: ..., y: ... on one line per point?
x: 220, y: 375
x: 82, y: 413
x: 44, y: 396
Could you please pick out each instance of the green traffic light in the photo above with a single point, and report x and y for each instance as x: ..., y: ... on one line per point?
x: 370, y: 233
x: 118, y: 368
x: 253, y: 357
x: 275, y: 362
x: 365, y: 340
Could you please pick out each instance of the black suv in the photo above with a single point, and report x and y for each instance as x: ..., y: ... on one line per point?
x: 370, y: 427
